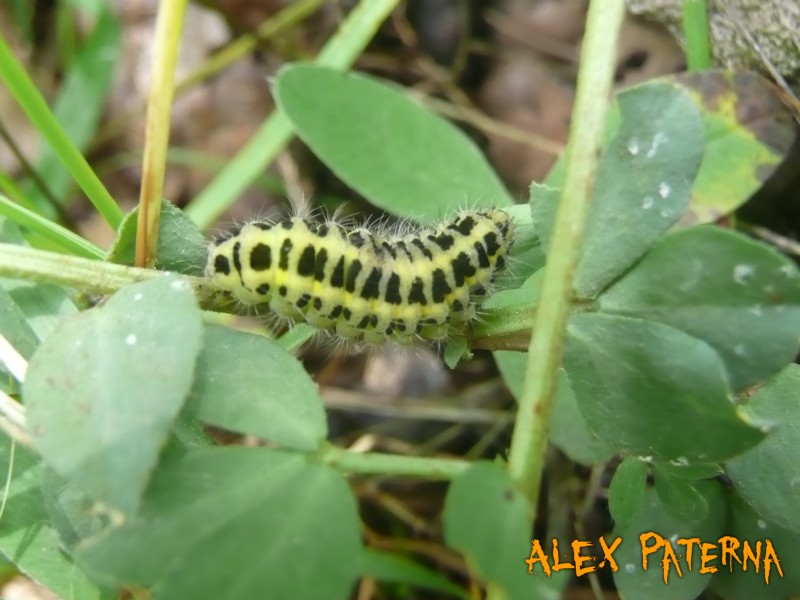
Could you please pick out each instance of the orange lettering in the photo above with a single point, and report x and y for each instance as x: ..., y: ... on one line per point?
x: 689, y: 542
x: 729, y: 545
x: 607, y: 552
x: 557, y: 565
x: 647, y: 550
x: 538, y: 556
x: 771, y: 557
x: 747, y: 553
x: 669, y: 555
x: 580, y: 559
x: 705, y: 557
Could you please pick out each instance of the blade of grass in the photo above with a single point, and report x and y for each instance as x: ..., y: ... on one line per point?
x: 79, y: 104
x: 15, y: 78
x: 595, y: 79
x: 695, y: 32
x: 169, y: 25
x: 265, y: 145
x: 69, y: 241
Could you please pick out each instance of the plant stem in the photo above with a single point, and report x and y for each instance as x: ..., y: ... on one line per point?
x: 376, y: 463
x: 159, y: 106
x: 595, y: 77
x: 244, y: 45
x: 92, y: 276
x: 265, y: 145
x: 695, y: 31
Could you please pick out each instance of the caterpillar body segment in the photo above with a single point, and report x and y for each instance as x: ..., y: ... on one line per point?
x: 364, y: 285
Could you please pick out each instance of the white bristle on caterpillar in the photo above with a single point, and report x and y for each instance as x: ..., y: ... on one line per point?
x: 367, y: 286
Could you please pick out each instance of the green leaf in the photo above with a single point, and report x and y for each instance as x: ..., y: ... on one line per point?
x: 397, y: 569
x: 104, y: 390
x: 768, y: 476
x: 247, y: 383
x: 400, y: 156
x: 233, y: 522
x: 626, y: 492
x: 736, y: 583
x: 739, y: 296
x: 489, y: 520
x: 680, y: 496
x: 568, y: 429
x: 26, y: 537
x: 748, y: 130
x: 650, y: 390
x: 181, y: 245
x: 643, y: 183
x: 633, y: 581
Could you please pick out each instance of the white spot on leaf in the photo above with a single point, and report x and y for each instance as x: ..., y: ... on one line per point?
x: 761, y: 524
x: 131, y: 339
x: 658, y: 139
x: 178, y: 284
x: 633, y: 146
x: 647, y: 202
x: 138, y: 296
x: 743, y: 273
x: 664, y: 190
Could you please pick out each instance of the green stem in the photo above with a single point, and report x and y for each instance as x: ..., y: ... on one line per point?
x: 159, y: 107
x: 13, y: 75
x: 595, y: 78
x: 695, y: 31
x: 244, y: 45
x: 92, y: 276
x: 265, y: 145
x: 376, y: 463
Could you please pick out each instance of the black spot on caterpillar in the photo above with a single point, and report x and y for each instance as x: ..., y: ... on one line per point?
x: 364, y: 285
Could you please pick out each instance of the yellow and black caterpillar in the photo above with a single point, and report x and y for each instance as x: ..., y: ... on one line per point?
x: 367, y: 286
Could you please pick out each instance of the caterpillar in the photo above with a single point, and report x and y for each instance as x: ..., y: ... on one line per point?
x: 363, y: 285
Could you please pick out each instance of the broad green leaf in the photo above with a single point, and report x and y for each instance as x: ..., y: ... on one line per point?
x: 81, y: 101
x: 748, y: 130
x: 738, y: 583
x: 234, y: 523
x: 680, y: 496
x: 181, y: 245
x: 739, y: 296
x: 643, y: 183
x: 626, y: 492
x: 103, y: 391
x: 650, y: 390
x: 489, y: 520
x: 768, y: 476
x: 249, y: 384
x: 568, y: 429
x: 399, y: 570
x: 26, y: 537
x: 400, y: 156
x: 635, y: 582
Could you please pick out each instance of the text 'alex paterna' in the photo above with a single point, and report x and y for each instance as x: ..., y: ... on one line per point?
x: 727, y: 551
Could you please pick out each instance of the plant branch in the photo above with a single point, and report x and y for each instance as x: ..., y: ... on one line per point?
x: 159, y: 107
x: 595, y: 78
x: 377, y: 463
